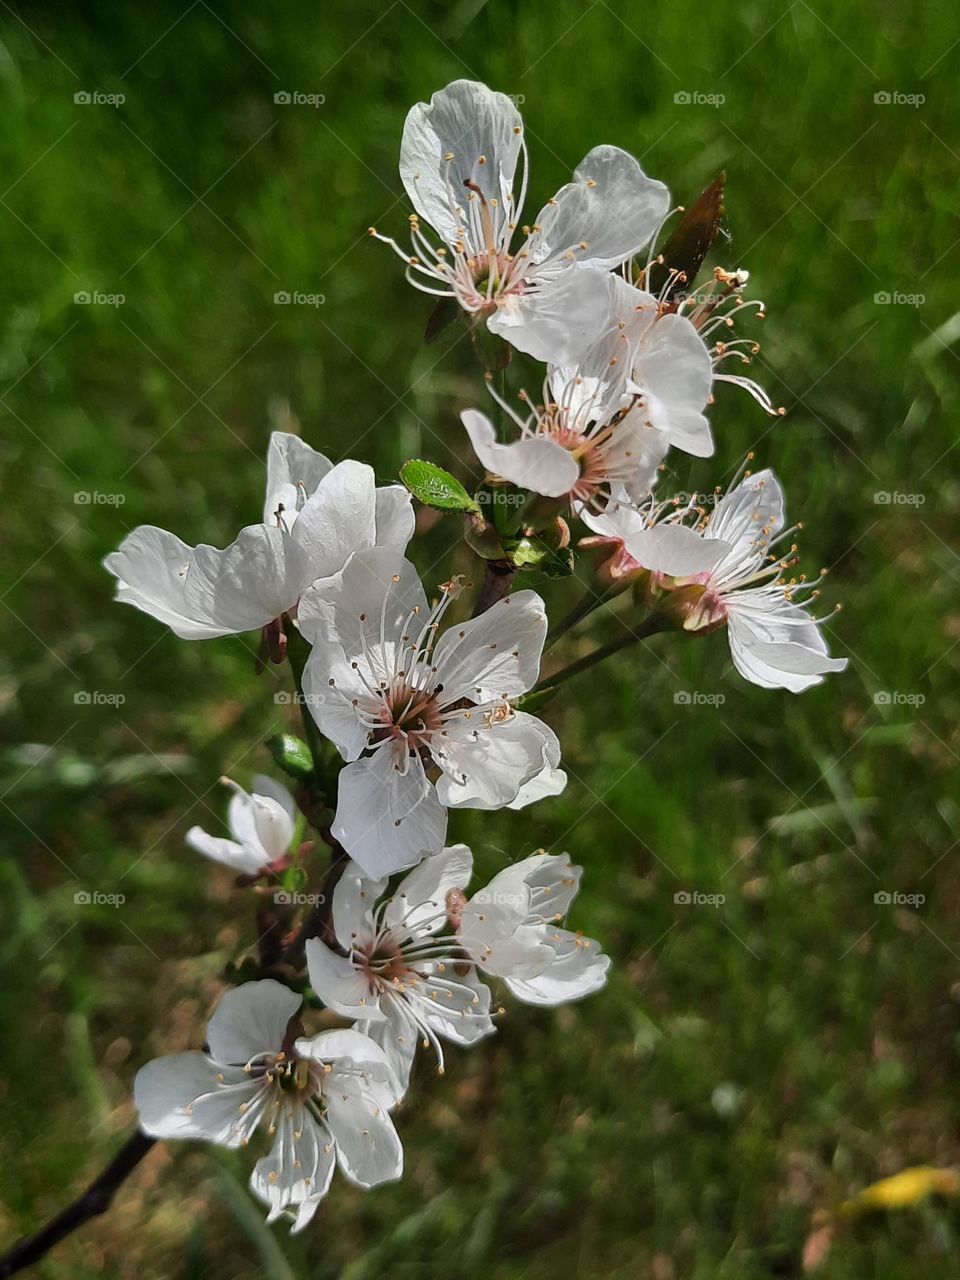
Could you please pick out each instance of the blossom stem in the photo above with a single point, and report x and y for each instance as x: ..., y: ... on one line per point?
x: 497, y: 581
x: 297, y: 652
x: 95, y: 1200
x: 649, y: 627
x: 588, y: 603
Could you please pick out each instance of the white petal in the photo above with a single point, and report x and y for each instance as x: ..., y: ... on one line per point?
x: 777, y: 647
x: 368, y: 1148
x: 396, y: 1036
x: 339, y: 983
x: 675, y: 550
x: 395, y: 517
x: 754, y: 507
x: 180, y: 1096
x: 354, y: 899
x: 298, y: 1170
x: 559, y: 318
x: 293, y: 472
x: 457, y: 1007
x: 339, y: 518
x: 536, y: 462
x: 465, y: 121
x: 494, y: 655
x: 485, y: 766
x: 249, y: 1020
x: 578, y: 969
x: 353, y: 1050
x: 201, y: 592
x: 418, y: 907
x: 611, y: 206
x: 673, y: 369
x: 263, y: 785
x: 377, y: 583
x: 237, y: 856
x: 548, y: 782
x: 387, y: 820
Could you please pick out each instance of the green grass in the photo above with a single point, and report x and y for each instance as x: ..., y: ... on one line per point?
x: 747, y: 1065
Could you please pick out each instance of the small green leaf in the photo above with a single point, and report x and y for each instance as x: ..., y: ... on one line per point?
x: 292, y: 755
x: 435, y: 487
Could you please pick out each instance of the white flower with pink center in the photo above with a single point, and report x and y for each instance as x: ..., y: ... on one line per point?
x: 406, y: 963
x: 425, y: 723
x: 458, y: 163
x: 775, y: 641
x: 324, y: 1100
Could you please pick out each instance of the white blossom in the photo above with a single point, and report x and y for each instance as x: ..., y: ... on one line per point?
x: 403, y: 707
x: 262, y: 823
x: 458, y: 162
x: 324, y: 1100
x: 406, y: 968
x: 315, y: 516
x: 775, y: 642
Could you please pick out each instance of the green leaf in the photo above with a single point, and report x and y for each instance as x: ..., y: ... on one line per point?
x: 435, y: 487
x: 690, y: 243
x: 292, y: 755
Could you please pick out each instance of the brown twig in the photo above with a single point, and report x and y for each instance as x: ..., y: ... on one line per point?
x: 497, y: 581
x: 95, y: 1200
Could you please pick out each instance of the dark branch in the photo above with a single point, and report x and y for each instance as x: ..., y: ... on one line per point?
x: 497, y: 581
x: 95, y: 1200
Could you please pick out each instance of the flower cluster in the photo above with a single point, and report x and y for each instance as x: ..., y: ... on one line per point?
x: 414, y: 710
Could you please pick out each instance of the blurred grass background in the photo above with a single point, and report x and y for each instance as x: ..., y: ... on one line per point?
x: 747, y: 1065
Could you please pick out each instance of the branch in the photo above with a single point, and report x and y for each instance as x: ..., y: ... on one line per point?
x: 95, y: 1200
x: 497, y: 580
